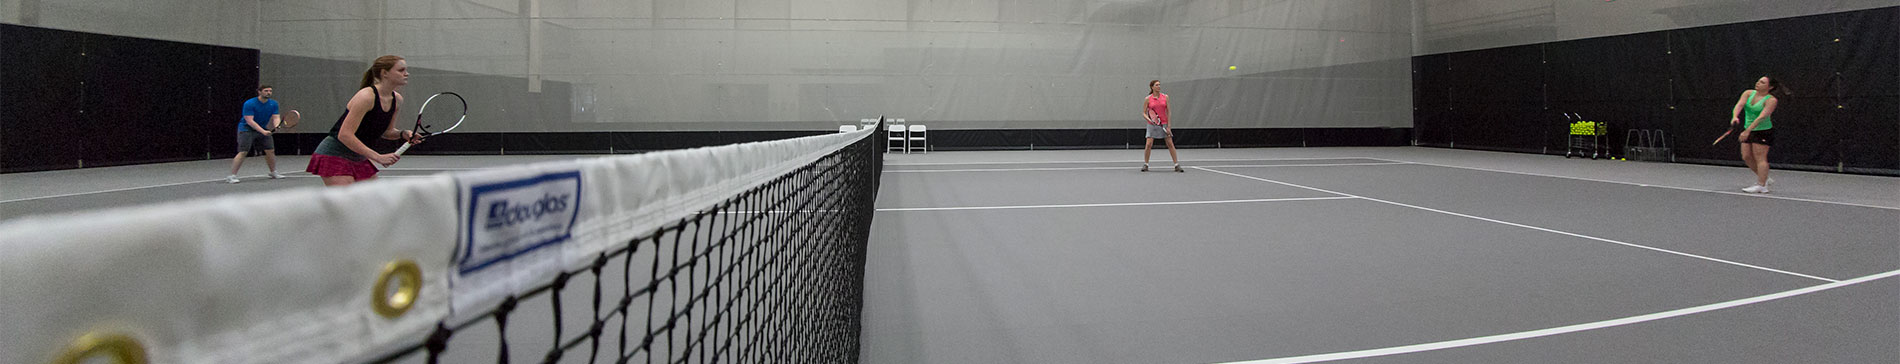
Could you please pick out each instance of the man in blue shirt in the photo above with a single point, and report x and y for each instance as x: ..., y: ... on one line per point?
x: 260, y: 117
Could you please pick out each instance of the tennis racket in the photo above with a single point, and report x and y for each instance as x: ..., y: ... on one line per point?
x: 289, y: 121
x: 1731, y: 130
x: 446, y: 108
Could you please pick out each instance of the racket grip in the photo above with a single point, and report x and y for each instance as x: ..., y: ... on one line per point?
x: 404, y: 148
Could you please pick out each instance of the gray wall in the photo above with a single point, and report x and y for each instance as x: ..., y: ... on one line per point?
x: 811, y: 64
x: 218, y: 22
x: 1462, y: 25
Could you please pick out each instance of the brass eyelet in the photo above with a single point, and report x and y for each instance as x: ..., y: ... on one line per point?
x: 408, y: 278
x: 122, y: 348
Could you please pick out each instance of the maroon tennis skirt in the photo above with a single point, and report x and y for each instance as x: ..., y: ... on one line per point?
x: 329, y: 165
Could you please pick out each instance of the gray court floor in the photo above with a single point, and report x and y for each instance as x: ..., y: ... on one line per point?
x: 1400, y: 255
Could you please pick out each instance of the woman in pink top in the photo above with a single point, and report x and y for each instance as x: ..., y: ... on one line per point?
x: 1155, y: 109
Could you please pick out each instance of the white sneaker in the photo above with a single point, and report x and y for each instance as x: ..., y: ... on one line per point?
x: 1755, y: 189
x: 231, y: 179
x: 275, y: 175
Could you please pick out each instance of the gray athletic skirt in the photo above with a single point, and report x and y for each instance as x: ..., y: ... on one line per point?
x: 1157, y: 131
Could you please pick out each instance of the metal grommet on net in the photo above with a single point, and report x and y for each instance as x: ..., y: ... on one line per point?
x: 408, y: 279
x: 121, y: 348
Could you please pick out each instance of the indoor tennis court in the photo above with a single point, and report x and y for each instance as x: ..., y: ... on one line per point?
x: 971, y: 181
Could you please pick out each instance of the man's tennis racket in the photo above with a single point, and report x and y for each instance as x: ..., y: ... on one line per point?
x: 451, y: 111
x: 289, y: 121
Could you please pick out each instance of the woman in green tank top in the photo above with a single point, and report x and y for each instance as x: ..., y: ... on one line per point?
x: 1752, y: 116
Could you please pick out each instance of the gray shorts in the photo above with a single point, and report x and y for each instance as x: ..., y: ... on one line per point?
x: 1157, y: 132
x: 247, y: 139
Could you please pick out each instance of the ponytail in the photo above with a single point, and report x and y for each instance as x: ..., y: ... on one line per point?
x: 369, y: 78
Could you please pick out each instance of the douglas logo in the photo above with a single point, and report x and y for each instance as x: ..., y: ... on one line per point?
x: 508, y: 215
x: 505, y: 213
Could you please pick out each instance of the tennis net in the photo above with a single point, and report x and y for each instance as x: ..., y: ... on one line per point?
x: 747, y: 253
x: 771, y: 275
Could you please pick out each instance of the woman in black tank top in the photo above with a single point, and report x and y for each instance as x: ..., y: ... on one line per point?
x: 343, y: 157
x: 375, y: 121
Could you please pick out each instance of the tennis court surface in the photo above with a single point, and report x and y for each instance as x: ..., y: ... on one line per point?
x: 1400, y: 255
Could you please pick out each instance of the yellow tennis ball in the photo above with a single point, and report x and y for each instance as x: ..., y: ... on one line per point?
x: 1230, y: 68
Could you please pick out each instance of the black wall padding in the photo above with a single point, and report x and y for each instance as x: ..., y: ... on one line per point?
x: 1843, y: 70
x: 453, y: 144
x: 41, y: 89
x: 634, y: 142
x: 236, y: 81
x: 79, y: 99
x: 557, y: 143
x: 1431, y: 100
x: 1354, y: 137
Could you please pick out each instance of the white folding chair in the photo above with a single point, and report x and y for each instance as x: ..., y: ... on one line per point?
x: 915, y: 138
x: 847, y: 128
x: 895, y: 134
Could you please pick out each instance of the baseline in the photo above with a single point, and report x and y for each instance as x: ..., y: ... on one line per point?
x: 902, y: 209
x: 1127, y: 161
x: 1116, y: 168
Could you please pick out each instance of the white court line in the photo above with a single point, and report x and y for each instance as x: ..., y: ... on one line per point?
x: 1129, y: 168
x: 1005, y: 169
x: 1718, y: 260
x: 1763, y: 195
x: 136, y: 188
x: 1109, y: 204
x: 1123, y: 161
x: 1566, y: 329
x: 1310, y: 165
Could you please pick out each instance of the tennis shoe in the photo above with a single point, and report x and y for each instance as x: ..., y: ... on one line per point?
x: 1144, y: 167
x: 275, y: 175
x: 231, y: 179
x: 1755, y: 189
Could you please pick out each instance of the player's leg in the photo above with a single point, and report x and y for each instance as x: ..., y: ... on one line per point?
x: 1172, y: 155
x: 270, y: 154
x: 1748, y: 153
x: 270, y: 160
x: 1761, y: 166
x: 243, y: 147
x: 1147, y: 148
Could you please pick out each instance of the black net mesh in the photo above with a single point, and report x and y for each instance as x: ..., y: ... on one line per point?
x: 773, y: 274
